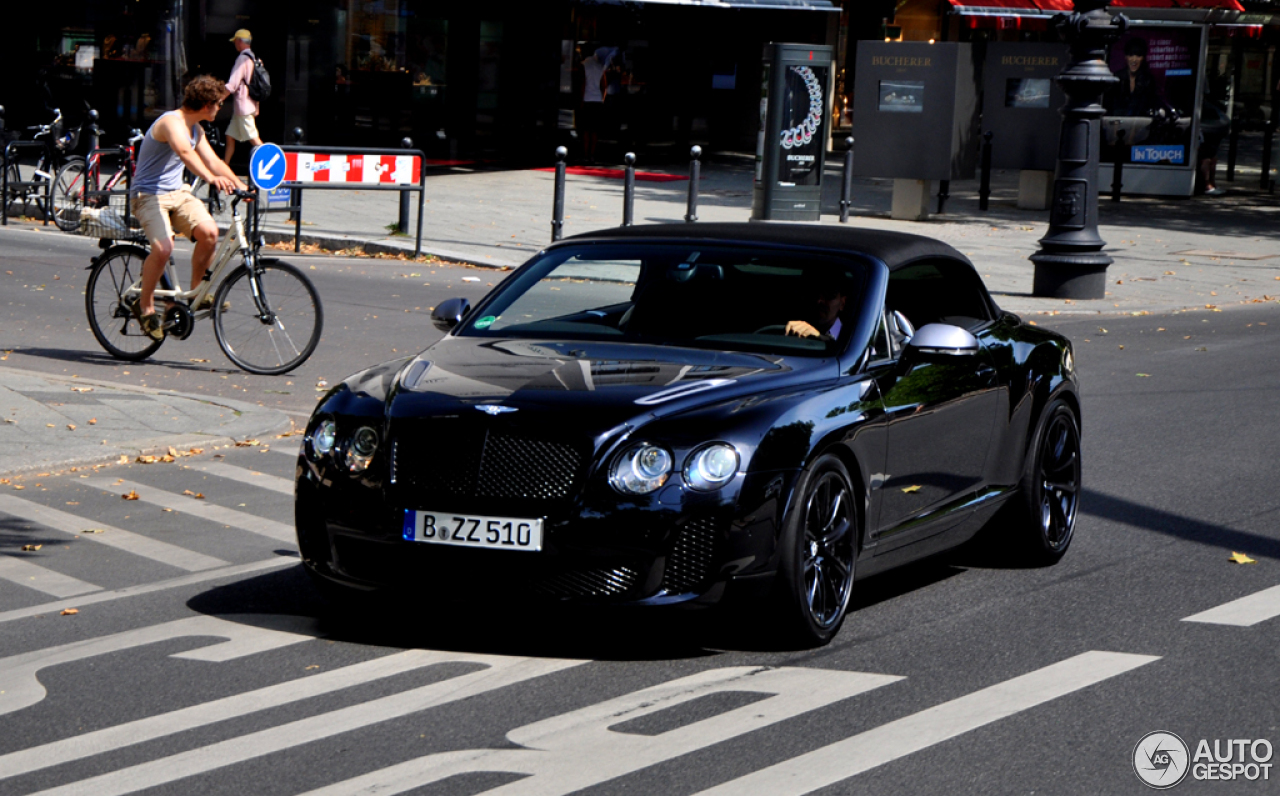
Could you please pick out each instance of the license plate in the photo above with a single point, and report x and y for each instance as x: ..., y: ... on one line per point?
x: 499, y: 533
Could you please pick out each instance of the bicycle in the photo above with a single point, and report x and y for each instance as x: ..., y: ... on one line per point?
x: 260, y: 309
x: 57, y: 143
x: 79, y: 182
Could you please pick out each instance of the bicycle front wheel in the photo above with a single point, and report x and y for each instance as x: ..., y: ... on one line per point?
x: 68, y: 194
x: 110, y: 318
x: 267, y: 319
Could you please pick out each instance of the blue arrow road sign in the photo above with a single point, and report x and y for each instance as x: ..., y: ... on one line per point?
x: 266, y: 167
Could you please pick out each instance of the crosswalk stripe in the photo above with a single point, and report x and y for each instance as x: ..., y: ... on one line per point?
x: 34, y: 576
x: 123, y: 540
x: 198, y: 508
x: 502, y: 672
x: 856, y: 754
x: 245, y: 476
x: 147, y: 588
x: 136, y: 732
x: 288, y: 450
x: 1244, y: 612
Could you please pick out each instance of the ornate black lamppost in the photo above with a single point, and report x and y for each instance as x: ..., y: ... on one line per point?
x: 1070, y: 263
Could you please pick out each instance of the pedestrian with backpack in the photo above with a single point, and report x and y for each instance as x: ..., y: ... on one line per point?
x: 246, y: 86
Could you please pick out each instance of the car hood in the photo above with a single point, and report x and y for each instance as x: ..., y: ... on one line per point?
x: 608, y: 383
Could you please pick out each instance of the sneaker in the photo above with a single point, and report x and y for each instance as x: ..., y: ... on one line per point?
x: 206, y: 303
x: 152, y: 326
x: 1214, y: 192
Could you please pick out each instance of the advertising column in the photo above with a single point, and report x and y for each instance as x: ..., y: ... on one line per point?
x: 794, y: 124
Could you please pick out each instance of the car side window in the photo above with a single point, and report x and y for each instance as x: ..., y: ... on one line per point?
x: 882, y: 347
x: 939, y: 291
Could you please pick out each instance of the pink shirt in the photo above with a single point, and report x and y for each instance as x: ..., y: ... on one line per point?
x: 238, y: 85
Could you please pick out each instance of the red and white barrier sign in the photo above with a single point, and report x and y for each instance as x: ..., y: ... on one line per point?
x: 308, y: 167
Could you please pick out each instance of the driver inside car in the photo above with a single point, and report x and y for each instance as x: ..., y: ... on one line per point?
x: 823, y: 302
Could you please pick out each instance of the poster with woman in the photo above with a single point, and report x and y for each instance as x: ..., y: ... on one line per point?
x: 1151, y: 109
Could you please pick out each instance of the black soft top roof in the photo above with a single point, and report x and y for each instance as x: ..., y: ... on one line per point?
x: 895, y: 249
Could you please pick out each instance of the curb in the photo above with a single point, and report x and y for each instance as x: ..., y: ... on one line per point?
x: 337, y: 245
x: 252, y: 421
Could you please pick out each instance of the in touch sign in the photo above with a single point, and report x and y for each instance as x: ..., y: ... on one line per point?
x: 311, y: 167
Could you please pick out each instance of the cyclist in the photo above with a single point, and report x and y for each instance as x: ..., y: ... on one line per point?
x: 163, y: 204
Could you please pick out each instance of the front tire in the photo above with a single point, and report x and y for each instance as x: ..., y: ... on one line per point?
x: 1049, y: 492
x: 110, y: 318
x: 271, y: 328
x: 819, y: 552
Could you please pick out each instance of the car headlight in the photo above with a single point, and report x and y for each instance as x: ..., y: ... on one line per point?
x: 641, y: 470
x: 361, y: 449
x: 711, y: 467
x: 322, y: 438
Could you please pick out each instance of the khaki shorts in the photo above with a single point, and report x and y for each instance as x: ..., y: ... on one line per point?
x: 242, y: 128
x: 160, y: 215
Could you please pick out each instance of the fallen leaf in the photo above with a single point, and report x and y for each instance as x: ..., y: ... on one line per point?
x: 1240, y: 558
x: 247, y: 443
x: 146, y: 460
x: 48, y: 425
x: 312, y: 666
x: 31, y: 548
x: 123, y: 459
x: 911, y: 489
x: 71, y: 427
x: 196, y: 495
x: 70, y: 611
x: 130, y: 495
x: 82, y: 389
x: 172, y: 451
x: 166, y: 509
x: 199, y: 360
x: 1202, y: 348
x: 1121, y: 348
x: 19, y: 486
x: 92, y: 530
x: 195, y: 451
x: 93, y: 421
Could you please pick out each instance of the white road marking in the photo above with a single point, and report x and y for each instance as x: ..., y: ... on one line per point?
x: 23, y: 689
x: 245, y: 476
x: 1244, y: 612
x: 288, y: 450
x: 502, y: 671
x: 199, y: 508
x: 888, y: 742
x: 147, y: 588
x: 127, y: 541
x: 134, y: 732
x: 579, y: 749
x: 34, y: 576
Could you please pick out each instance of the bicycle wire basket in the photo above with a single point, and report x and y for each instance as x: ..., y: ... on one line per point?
x: 106, y: 214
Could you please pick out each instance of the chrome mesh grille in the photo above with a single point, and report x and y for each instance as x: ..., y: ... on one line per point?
x: 587, y: 583
x: 445, y: 461
x: 690, y: 561
x: 514, y: 467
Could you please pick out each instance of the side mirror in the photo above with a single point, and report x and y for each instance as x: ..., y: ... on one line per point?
x: 943, y: 338
x: 449, y: 313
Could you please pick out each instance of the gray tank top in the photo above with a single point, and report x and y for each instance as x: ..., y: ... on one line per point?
x: 159, y: 168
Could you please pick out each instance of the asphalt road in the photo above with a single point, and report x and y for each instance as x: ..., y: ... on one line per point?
x: 200, y: 659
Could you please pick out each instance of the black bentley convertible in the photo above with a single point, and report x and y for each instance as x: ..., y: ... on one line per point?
x: 695, y: 413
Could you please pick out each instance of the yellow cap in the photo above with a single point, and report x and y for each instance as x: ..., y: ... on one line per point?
x: 243, y: 35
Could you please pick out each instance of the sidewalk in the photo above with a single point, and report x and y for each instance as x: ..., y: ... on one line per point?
x: 1169, y: 254
x: 50, y: 423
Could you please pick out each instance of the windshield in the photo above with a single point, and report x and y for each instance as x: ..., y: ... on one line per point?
x: 700, y: 296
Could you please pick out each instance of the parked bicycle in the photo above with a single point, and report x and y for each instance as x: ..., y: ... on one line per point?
x: 266, y: 314
x: 23, y: 181
x: 79, y: 183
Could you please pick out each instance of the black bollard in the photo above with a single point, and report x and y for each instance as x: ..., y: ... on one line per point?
x: 1232, y: 148
x: 984, y: 184
x: 629, y: 189
x: 95, y: 132
x: 695, y: 174
x: 1267, y: 140
x: 295, y: 194
x: 557, y: 210
x: 403, y: 224
x: 1117, y: 176
x: 944, y: 193
x: 846, y: 186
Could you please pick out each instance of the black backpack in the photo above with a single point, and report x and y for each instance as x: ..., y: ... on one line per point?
x: 260, y: 83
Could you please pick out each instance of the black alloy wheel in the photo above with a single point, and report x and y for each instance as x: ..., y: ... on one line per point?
x: 1051, y: 484
x: 820, y: 547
